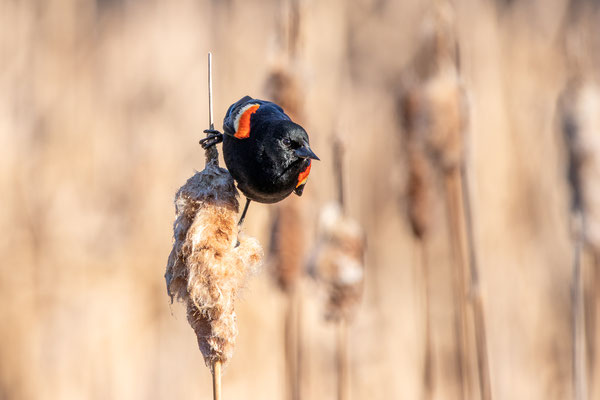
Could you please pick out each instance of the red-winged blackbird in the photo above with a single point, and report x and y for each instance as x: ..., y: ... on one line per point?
x: 266, y: 153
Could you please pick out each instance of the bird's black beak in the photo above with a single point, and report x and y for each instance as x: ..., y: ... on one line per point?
x: 306, y: 152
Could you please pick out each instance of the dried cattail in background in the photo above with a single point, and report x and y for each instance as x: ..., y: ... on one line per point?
x: 579, y: 119
x: 286, y: 252
x: 283, y: 88
x: 579, y: 115
x: 435, y: 111
x: 207, y: 267
x: 338, y: 262
x: 579, y: 108
x: 419, y: 193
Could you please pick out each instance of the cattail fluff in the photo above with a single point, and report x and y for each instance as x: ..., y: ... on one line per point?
x: 338, y: 261
x: 579, y: 114
x: 210, y: 260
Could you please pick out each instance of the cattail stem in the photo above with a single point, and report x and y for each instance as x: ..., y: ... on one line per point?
x: 578, y: 322
x: 464, y: 355
x: 459, y: 208
x: 211, y: 153
x: 338, y: 168
x: 593, y: 304
x: 428, y: 356
x: 342, y: 359
x: 292, y: 342
x: 212, y: 157
x: 299, y: 342
x: 475, y: 295
x: 216, y: 380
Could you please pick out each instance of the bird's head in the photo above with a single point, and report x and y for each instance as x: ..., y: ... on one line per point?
x: 290, y: 148
x: 292, y: 141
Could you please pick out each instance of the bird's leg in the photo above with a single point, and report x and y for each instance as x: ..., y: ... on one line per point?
x: 214, y: 137
x: 244, y: 213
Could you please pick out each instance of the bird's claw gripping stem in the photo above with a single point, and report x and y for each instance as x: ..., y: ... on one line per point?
x: 214, y: 137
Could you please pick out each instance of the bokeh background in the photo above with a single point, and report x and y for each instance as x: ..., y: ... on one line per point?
x: 102, y: 104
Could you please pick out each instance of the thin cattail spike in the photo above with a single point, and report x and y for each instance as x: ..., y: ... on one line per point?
x: 428, y: 380
x: 464, y: 353
x: 338, y: 167
x: 212, y: 156
x: 578, y: 324
x: 342, y: 359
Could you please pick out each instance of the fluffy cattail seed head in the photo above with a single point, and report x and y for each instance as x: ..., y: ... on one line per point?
x: 210, y: 261
x: 338, y: 263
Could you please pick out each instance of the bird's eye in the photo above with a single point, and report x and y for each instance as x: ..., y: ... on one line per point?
x: 286, y: 142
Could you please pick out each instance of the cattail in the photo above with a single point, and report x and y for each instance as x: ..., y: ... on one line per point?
x: 579, y: 108
x: 579, y: 119
x: 419, y: 195
x: 211, y: 260
x: 283, y: 88
x: 437, y: 107
x: 337, y: 262
x: 579, y: 115
x: 286, y: 250
x: 207, y: 266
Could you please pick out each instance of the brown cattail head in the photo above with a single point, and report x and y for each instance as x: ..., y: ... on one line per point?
x: 287, y: 243
x: 210, y: 262
x: 338, y: 261
x: 419, y: 179
x: 579, y: 117
x: 419, y: 192
x: 282, y: 88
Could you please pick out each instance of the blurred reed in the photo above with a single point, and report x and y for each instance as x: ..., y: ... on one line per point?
x: 435, y: 112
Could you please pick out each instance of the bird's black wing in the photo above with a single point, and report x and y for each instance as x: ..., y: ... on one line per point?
x: 266, y: 109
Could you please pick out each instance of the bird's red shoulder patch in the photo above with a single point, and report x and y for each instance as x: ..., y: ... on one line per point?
x: 303, y: 176
x: 242, y: 121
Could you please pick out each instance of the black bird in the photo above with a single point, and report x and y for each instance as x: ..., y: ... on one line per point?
x: 266, y: 153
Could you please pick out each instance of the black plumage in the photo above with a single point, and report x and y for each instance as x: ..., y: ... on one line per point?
x: 267, y: 153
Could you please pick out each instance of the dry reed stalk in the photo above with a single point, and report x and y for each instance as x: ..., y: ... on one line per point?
x: 342, y: 359
x: 579, y: 115
x: 211, y: 260
x: 441, y: 104
x: 418, y: 193
x: 286, y: 260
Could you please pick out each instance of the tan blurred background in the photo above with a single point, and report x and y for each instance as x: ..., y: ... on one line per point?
x: 102, y: 104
